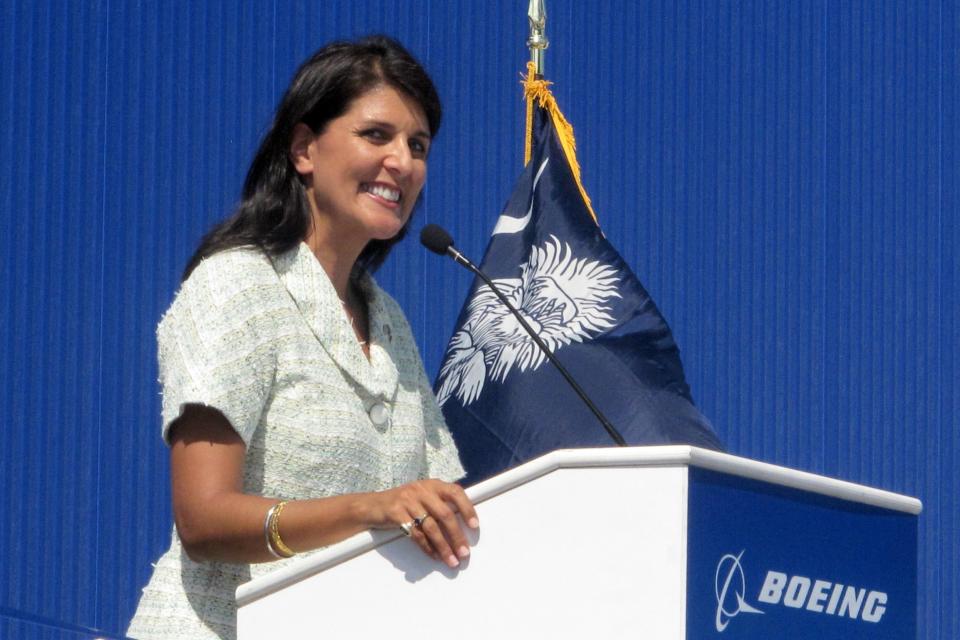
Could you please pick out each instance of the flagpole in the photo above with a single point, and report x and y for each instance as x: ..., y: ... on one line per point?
x: 537, y: 42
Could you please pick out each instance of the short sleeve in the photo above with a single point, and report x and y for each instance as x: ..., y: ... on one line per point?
x: 214, y: 343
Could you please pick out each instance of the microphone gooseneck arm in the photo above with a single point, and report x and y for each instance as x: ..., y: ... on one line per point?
x: 463, y: 260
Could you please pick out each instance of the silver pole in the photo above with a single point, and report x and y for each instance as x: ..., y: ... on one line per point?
x: 537, y: 42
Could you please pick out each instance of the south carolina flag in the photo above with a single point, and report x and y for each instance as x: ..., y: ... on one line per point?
x: 503, y: 400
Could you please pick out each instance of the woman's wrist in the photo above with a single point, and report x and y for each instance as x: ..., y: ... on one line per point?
x: 366, y: 509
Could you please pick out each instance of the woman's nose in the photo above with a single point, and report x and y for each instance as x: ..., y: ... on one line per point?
x: 398, y: 159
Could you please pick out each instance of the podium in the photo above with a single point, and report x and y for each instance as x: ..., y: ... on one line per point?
x: 669, y: 542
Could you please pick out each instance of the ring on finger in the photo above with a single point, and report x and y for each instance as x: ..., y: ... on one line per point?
x: 407, y: 527
x: 418, y: 522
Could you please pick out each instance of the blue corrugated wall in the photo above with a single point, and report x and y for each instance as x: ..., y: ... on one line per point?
x: 782, y: 175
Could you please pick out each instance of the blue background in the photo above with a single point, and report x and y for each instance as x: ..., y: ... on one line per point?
x: 782, y: 176
x: 799, y: 534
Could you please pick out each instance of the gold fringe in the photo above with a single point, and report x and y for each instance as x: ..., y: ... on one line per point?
x: 538, y: 89
x: 528, y: 135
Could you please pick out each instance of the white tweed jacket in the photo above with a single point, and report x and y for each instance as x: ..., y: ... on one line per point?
x: 268, y: 344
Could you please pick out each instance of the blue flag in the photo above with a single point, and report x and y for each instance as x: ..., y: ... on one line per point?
x: 504, y: 401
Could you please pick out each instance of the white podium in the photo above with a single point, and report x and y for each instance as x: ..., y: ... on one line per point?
x: 654, y: 542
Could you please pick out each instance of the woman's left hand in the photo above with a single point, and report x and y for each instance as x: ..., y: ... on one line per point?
x: 427, y: 510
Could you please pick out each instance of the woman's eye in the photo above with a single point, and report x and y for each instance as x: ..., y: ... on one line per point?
x: 418, y: 146
x: 376, y: 134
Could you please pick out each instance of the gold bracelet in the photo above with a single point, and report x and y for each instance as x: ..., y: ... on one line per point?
x: 275, y: 540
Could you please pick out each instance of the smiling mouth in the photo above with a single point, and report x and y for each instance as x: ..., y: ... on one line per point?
x: 389, y: 194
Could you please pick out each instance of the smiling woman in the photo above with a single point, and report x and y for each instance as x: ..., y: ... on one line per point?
x: 294, y: 401
x: 362, y: 174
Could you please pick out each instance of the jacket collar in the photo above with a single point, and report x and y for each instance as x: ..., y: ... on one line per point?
x: 311, y: 290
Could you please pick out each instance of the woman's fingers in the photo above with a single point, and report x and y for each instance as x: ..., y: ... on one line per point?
x: 443, y: 531
x: 418, y: 536
x: 444, y: 504
x: 456, y: 495
x: 432, y: 507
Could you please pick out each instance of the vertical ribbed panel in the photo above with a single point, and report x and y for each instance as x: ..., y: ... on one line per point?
x: 940, y: 544
x: 185, y: 103
x: 885, y: 267
x: 52, y: 172
x: 782, y: 176
x: 477, y: 72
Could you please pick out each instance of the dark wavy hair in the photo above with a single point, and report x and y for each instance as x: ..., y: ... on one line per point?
x: 274, y: 214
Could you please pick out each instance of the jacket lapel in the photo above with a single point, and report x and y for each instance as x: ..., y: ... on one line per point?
x: 311, y: 290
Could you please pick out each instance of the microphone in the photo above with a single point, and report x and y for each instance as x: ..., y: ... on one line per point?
x: 436, y: 239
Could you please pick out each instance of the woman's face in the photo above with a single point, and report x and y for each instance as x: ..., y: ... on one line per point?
x: 364, y: 172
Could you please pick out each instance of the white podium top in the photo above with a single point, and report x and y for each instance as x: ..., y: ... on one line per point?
x: 666, y: 456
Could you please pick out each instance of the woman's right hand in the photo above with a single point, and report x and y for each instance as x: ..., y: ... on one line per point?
x: 435, y: 504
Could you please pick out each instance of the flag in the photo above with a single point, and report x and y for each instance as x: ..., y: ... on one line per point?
x: 504, y: 402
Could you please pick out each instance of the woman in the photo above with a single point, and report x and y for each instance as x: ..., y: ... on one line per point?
x: 294, y: 400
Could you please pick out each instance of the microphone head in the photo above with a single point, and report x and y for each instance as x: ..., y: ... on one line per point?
x: 436, y: 238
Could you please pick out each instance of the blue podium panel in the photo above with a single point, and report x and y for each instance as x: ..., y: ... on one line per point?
x: 766, y: 561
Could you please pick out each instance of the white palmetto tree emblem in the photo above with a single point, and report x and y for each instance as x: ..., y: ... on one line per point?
x: 563, y: 298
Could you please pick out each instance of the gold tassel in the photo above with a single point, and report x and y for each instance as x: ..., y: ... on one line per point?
x: 538, y: 89
x: 528, y: 134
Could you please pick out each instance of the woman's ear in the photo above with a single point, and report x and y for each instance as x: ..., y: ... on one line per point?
x: 300, y: 149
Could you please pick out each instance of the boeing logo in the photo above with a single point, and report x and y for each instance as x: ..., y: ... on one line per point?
x: 730, y: 586
x: 795, y: 592
x: 821, y: 596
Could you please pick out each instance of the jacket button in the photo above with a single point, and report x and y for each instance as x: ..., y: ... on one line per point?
x: 379, y: 414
